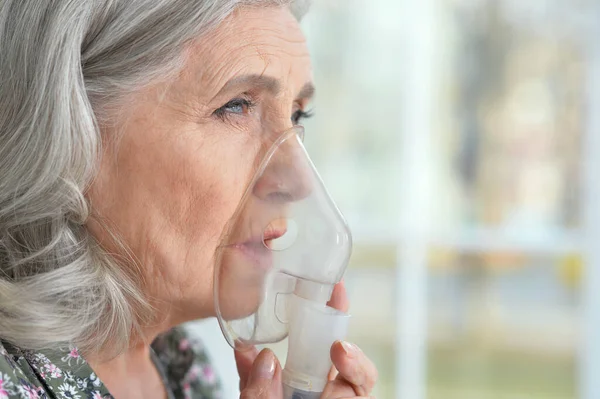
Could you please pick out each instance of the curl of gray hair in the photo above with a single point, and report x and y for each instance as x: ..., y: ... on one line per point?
x: 64, y: 65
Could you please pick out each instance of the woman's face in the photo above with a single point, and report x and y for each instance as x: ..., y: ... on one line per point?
x: 182, y: 158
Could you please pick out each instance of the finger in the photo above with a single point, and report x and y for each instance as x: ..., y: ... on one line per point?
x: 339, y: 297
x: 354, y: 367
x: 264, y: 381
x: 338, y: 388
x: 332, y: 373
x: 243, y: 361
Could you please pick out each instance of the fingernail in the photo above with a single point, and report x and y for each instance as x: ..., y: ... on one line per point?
x: 266, y: 365
x: 349, y: 349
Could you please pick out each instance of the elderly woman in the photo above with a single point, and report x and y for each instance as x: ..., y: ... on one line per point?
x: 128, y: 131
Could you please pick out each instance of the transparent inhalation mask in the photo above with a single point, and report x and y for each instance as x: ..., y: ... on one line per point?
x: 281, y: 255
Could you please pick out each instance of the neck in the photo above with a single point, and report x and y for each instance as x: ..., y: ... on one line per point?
x: 132, y: 374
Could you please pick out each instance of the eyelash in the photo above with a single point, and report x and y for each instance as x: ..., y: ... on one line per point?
x: 300, y: 115
x: 247, y: 105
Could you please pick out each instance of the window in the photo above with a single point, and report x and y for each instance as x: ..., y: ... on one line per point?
x: 451, y: 134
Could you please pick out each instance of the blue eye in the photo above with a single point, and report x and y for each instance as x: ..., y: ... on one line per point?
x: 240, y: 106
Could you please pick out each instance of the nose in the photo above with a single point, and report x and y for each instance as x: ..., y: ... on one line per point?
x: 288, y: 174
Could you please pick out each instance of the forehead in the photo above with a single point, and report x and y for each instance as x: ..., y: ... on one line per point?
x: 265, y: 41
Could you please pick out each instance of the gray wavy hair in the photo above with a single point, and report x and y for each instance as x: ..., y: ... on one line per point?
x: 64, y: 66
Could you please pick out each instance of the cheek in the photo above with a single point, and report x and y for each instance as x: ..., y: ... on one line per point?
x: 205, y: 189
x: 201, y: 203
x: 169, y: 196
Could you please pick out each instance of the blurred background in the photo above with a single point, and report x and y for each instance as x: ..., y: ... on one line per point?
x: 459, y: 138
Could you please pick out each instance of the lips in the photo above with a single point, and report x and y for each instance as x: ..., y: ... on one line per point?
x: 258, y: 248
x: 274, y: 230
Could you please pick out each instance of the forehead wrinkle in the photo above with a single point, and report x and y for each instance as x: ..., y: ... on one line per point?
x: 283, y: 46
x: 298, y: 40
x: 264, y: 58
x: 219, y: 60
x: 250, y: 43
x: 208, y: 48
x: 290, y: 67
x: 223, y: 71
x: 277, y: 52
x: 227, y: 72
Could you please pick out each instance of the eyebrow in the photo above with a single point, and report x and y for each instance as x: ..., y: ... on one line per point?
x: 307, y: 91
x: 267, y: 83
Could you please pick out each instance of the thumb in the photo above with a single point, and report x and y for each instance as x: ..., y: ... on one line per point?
x: 244, y: 361
x: 264, y: 381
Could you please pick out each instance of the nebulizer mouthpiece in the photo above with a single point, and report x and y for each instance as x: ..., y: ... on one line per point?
x: 281, y: 255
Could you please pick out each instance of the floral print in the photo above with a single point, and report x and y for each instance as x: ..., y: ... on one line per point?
x: 6, y: 386
x: 68, y: 391
x: 72, y: 355
x: 28, y: 391
x: 64, y: 374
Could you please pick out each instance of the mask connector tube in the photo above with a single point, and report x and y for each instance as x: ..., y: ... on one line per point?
x: 314, y: 292
x: 313, y: 328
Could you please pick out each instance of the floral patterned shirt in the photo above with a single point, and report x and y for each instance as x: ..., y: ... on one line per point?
x: 64, y: 374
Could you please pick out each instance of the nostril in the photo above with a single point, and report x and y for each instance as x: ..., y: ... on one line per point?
x: 280, y: 197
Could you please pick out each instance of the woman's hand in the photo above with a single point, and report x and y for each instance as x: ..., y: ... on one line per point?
x: 353, y: 374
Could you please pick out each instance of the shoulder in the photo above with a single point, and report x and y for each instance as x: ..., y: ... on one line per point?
x: 59, y: 373
x: 187, y: 364
x: 17, y: 380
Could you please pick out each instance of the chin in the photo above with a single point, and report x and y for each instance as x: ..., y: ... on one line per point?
x: 241, y: 286
x: 240, y: 300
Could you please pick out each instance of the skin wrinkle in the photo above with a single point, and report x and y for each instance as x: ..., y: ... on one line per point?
x: 128, y: 258
x: 282, y: 47
x: 265, y: 59
x: 178, y: 173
